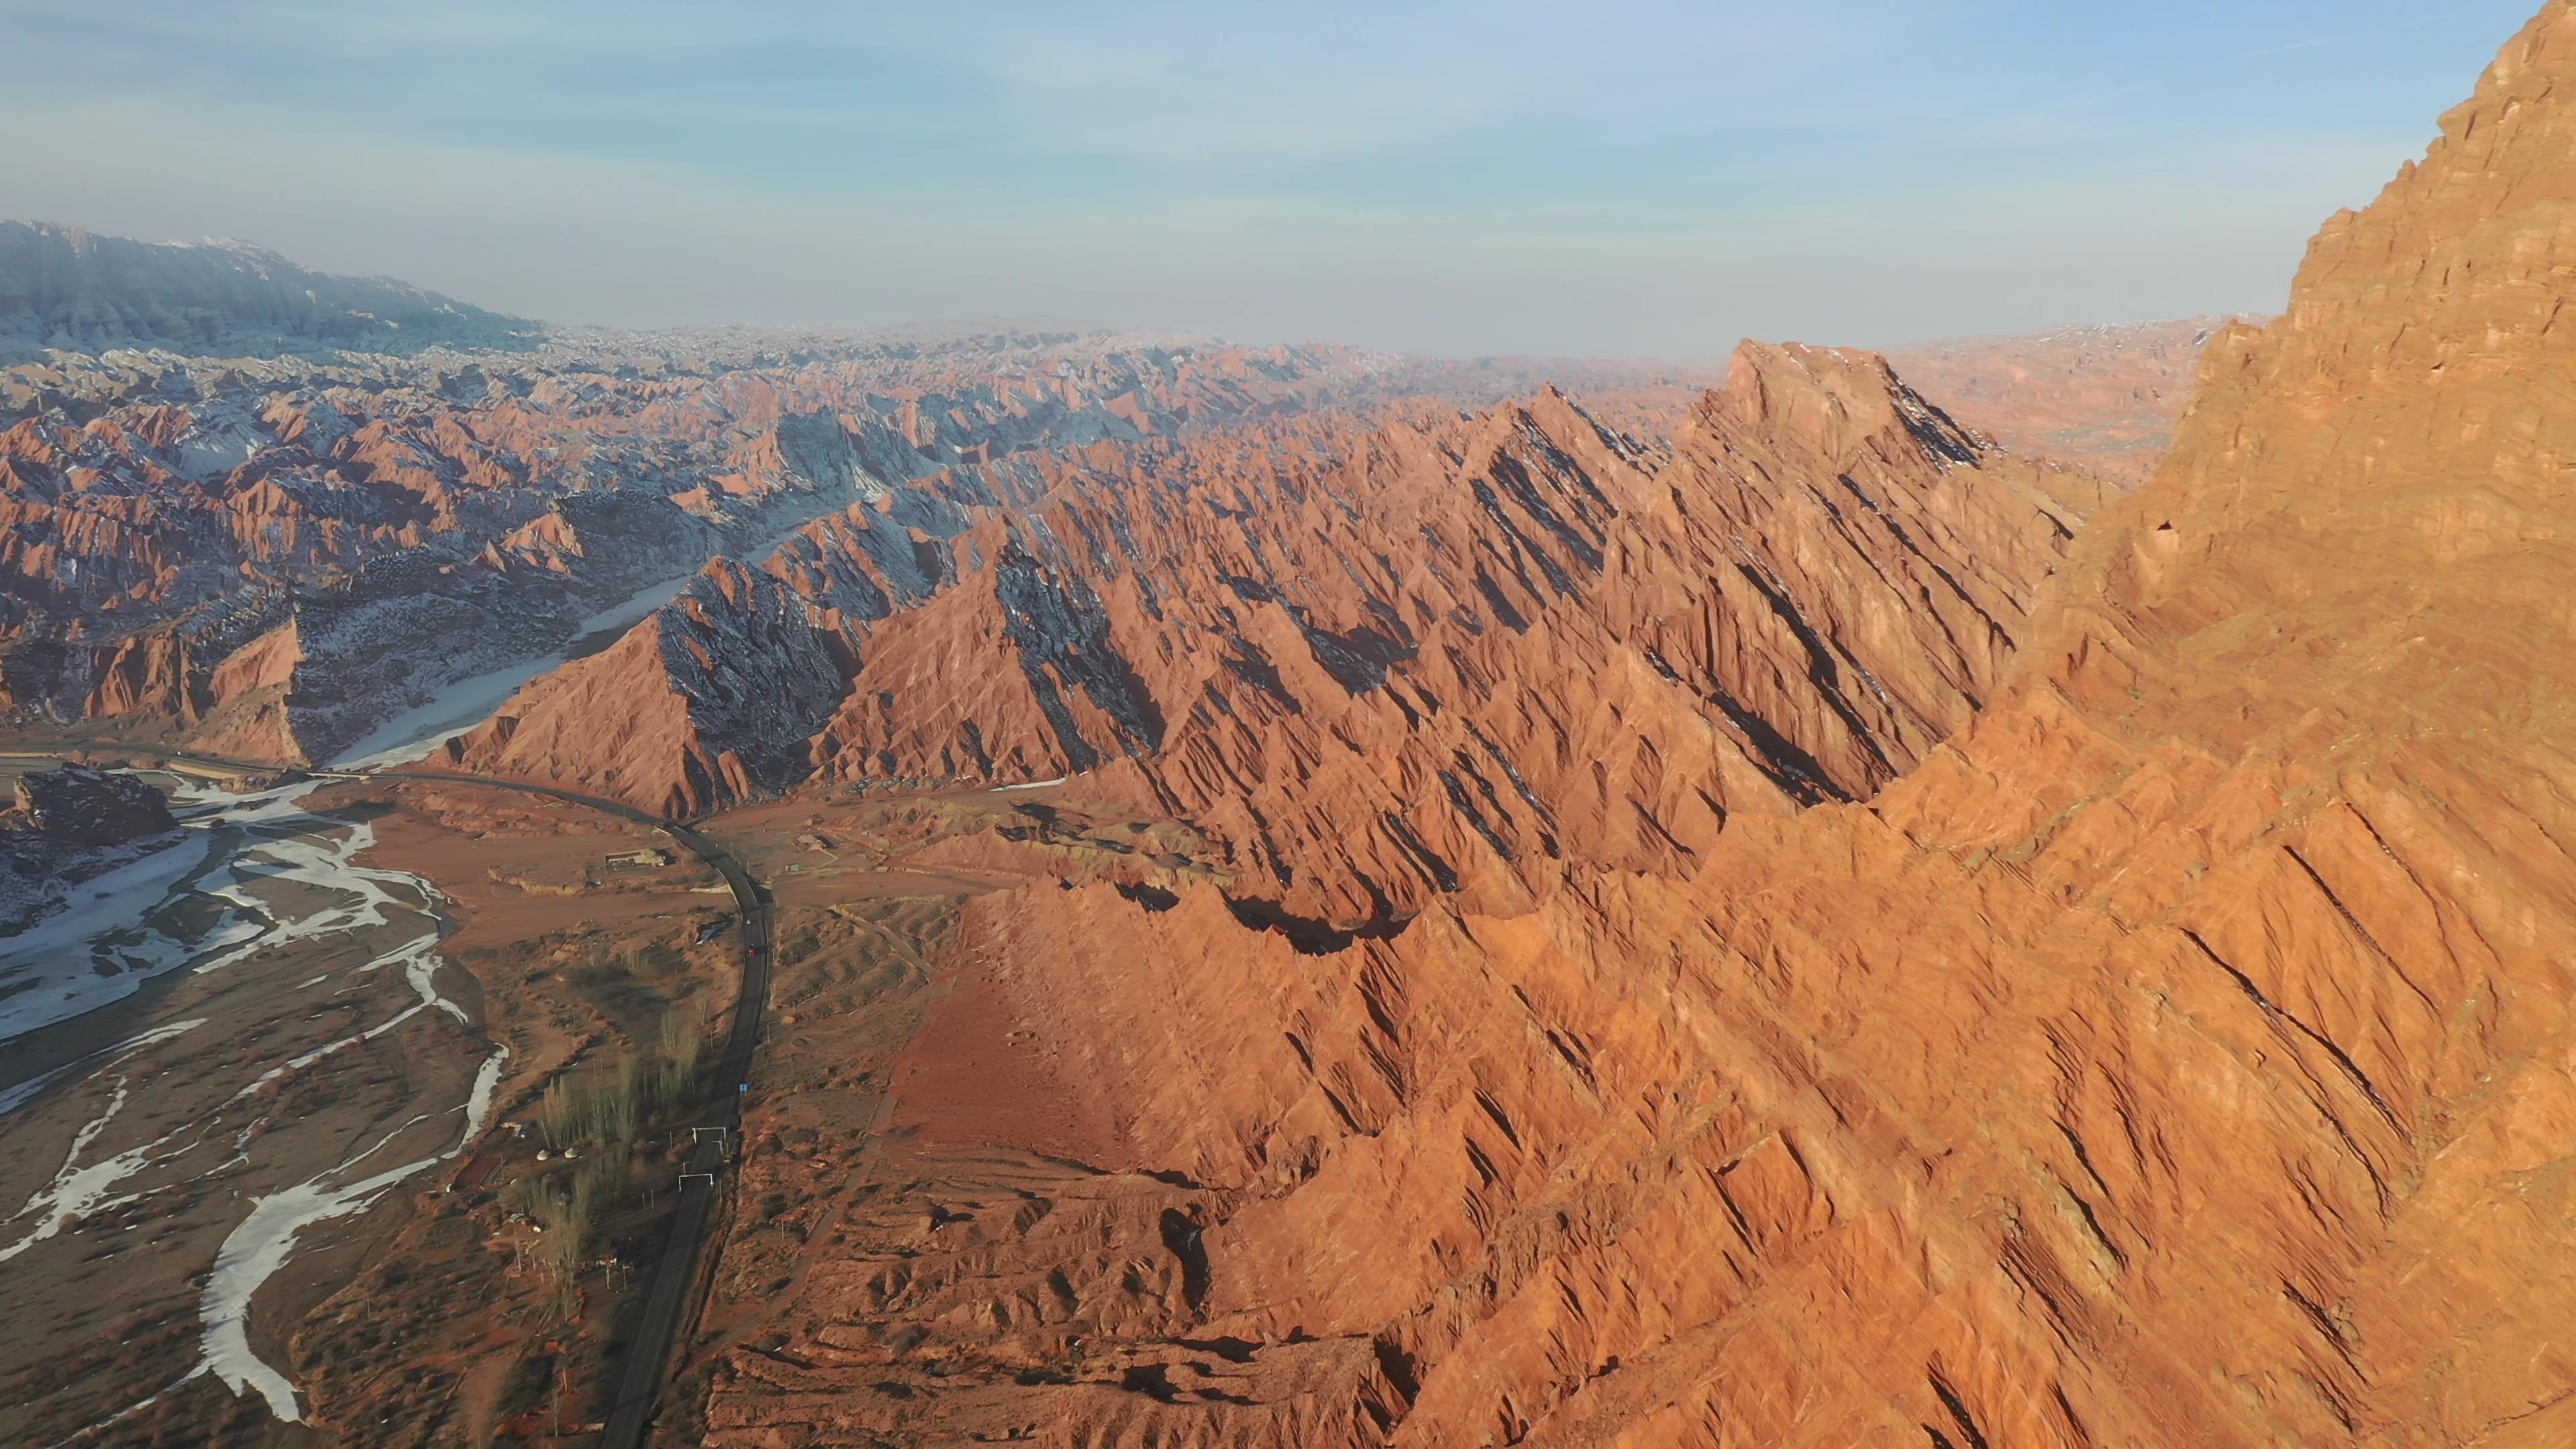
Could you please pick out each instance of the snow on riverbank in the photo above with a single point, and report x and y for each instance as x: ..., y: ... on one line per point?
x: 51, y: 973
x: 466, y: 703
x: 256, y: 1250
x: 264, y: 840
x: 78, y: 1191
x: 117, y: 933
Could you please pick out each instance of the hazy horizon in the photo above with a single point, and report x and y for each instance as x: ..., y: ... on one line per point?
x: 1636, y: 180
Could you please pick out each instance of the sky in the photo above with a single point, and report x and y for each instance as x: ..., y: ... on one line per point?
x: 1612, y: 178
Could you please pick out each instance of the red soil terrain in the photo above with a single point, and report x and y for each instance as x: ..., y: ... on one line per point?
x: 1768, y: 921
x: 2178, y: 1055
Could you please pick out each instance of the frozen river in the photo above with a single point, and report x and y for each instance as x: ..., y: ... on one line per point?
x: 217, y: 1052
x: 468, y: 702
x: 222, y: 1046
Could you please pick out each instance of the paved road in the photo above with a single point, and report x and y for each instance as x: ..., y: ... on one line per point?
x: 638, y: 1379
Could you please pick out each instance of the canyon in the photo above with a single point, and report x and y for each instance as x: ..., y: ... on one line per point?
x: 296, y: 557
x: 271, y: 557
x: 1952, y: 897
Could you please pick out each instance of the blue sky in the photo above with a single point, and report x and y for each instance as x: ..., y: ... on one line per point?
x: 1626, y: 177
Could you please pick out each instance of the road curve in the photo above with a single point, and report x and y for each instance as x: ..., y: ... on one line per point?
x: 638, y: 1379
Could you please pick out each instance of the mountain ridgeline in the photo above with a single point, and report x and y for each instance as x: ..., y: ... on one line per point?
x: 1342, y: 646
x: 66, y: 289
x: 1779, y: 903
x: 2176, y: 1055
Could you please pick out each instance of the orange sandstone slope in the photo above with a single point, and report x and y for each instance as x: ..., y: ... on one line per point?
x: 1340, y: 652
x: 712, y: 698
x: 739, y: 657
x: 2180, y: 1056
x: 1588, y: 655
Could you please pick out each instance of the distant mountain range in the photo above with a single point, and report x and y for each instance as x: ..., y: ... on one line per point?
x: 67, y: 289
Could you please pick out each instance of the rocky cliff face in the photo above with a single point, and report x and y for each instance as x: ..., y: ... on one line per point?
x: 2179, y: 1056
x: 90, y: 807
x: 711, y: 699
x: 67, y: 826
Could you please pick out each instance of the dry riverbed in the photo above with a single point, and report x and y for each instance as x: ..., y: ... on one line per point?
x: 266, y: 1192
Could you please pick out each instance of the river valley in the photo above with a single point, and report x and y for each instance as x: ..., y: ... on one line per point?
x: 272, y: 1042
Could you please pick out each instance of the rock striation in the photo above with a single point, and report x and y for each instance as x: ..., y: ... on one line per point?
x: 1340, y: 649
x: 2178, y: 1055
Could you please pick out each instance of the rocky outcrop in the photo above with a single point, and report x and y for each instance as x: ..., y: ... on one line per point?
x: 715, y: 698
x: 69, y: 825
x: 91, y: 807
x: 2177, y: 1056
x: 711, y: 699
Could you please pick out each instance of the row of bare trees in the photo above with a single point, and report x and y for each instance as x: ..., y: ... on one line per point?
x: 603, y: 1109
x: 612, y: 1105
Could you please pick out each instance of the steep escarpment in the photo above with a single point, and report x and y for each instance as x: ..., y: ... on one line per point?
x: 2180, y: 1055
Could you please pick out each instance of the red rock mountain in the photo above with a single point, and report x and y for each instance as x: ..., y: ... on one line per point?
x: 2180, y: 1055
x: 1343, y: 652
x: 412, y: 521
x: 374, y: 528
x: 714, y: 696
